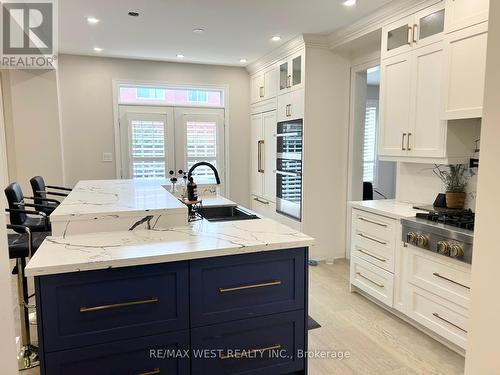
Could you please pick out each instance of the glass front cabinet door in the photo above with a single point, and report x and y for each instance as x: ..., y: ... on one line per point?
x: 418, y: 30
x: 291, y: 72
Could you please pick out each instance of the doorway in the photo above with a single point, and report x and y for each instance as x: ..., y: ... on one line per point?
x: 369, y: 177
x: 155, y: 140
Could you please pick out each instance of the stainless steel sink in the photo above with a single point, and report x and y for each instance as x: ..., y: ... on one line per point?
x: 226, y: 213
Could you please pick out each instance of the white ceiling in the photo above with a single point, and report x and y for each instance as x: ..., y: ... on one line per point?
x: 235, y: 29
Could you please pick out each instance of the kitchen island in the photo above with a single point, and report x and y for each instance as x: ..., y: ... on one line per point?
x: 202, y: 298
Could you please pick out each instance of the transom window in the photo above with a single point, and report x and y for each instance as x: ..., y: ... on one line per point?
x: 171, y: 96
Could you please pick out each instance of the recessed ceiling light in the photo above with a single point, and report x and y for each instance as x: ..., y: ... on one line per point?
x: 349, y: 3
x: 276, y: 38
x: 243, y: 61
x: 97, y: 49
x: 198, y: 31
x: 133, y: 14
x: 92, y: 20
x: 180, y: 56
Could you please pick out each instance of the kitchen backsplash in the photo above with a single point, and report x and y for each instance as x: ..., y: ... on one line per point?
x: 417, y: 183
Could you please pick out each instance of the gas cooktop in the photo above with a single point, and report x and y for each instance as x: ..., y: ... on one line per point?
x: 463, y: 219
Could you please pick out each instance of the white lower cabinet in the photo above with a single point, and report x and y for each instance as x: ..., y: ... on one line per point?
x: 430, y: 289
x: 268, y: 209
x: 372, y: 280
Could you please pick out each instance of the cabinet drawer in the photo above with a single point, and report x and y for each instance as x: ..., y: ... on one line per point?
x: 265, y: 345
x: 374, y: 249
x: 439, y: 315
x: 447, y: 280
x: 244, y: 286
x: 137, y: 356
x: 373, y: 280
x: 116, y: 304
x: 380, y: 227
x: 291, y: 106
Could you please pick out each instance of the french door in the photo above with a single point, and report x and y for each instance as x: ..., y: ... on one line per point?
x: 155, y: 140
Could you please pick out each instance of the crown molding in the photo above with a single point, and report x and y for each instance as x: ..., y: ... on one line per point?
x: 381, y: 17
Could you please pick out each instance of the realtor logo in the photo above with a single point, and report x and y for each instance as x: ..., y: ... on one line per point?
x: 28, y: 35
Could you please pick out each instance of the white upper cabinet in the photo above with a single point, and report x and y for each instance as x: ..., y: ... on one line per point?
x: 395, y: 98
x: 465, y: 74
x: 291, y: 73
x: 415, y: 31
x: 264, y: 85
x: 465, y: 13
x: 427, y: 131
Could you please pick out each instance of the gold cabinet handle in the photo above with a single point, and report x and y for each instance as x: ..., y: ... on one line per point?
x: 410, y: 29
x: 370, y: 280
x: 253, y: 286
x: 289, y: 81
x: 371, y: 254
x: 408, y: 147
x: 259, y: 145
x: 451, y: 281
x: 260, y: 201
x: 415, y: 33
x: 403, y: 139
x: 118, y: 305
x: 249, y: 352
x: 450, y: 323
x: 372, y: 222
x: 152, y: 372
x: 261, y: 91
x: 372, y: 239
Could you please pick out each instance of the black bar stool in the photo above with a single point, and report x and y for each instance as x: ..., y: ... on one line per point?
x: 22, y: 246
x: 19, y: 214
x: 41, y: 191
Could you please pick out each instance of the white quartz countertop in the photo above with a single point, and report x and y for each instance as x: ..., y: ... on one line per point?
x: 117, y: 198
x: 200, y: 239
x: 387, y: 207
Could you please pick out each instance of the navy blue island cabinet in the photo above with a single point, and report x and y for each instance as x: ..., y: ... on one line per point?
x: 239, y: 314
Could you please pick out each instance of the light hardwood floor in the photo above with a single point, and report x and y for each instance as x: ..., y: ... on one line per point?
x: 378, y: 342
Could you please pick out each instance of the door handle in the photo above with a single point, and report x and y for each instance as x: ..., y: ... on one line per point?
x: 415, y: 33
x: 261, y: 91
x: 289, y: 81
x: 408, y: 147
x: 410, y: 36
x: 403, y: 139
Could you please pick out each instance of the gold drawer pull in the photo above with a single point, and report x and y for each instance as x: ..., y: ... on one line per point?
x: 373, y: 222
x: 451, y: 281
x: 450, y: 323
x: 117, y: 305
x: 152, y: 372
x: 253, y: 286
x: 371, y: 254
x: 370, y: 280
x: 372, y: 239
x: 250, y: 352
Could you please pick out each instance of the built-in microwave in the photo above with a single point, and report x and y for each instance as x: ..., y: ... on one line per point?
x: 289, y: 169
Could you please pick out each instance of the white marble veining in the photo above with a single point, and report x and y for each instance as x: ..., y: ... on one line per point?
x: 200, y: 239
x: 117, y: 198
x: 387, y: 207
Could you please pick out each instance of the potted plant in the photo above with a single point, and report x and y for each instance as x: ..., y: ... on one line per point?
x: 455, y: 179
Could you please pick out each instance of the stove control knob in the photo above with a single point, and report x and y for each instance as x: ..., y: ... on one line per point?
x: 411, y: 238
x: 456, y: 250
x: 443, y: 247
x: 422, y: 240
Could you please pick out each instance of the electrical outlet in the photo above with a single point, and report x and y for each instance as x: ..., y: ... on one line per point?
x: 107, y: 157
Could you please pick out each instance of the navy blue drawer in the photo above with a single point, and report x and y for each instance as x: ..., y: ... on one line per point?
x: 137, y: 356
x: 244, y: 286
x: 266, y: 345
x: 88, y: 308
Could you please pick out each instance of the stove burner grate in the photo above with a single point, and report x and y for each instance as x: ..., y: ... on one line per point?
x: 461, y: 218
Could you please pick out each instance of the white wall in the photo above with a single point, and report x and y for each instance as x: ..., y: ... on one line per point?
x: 483, y: 352
x: 417, y: 183
x: 7, y: 337
x: 87, y: 111
x: 32, y: 126
x: 325, y: 151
